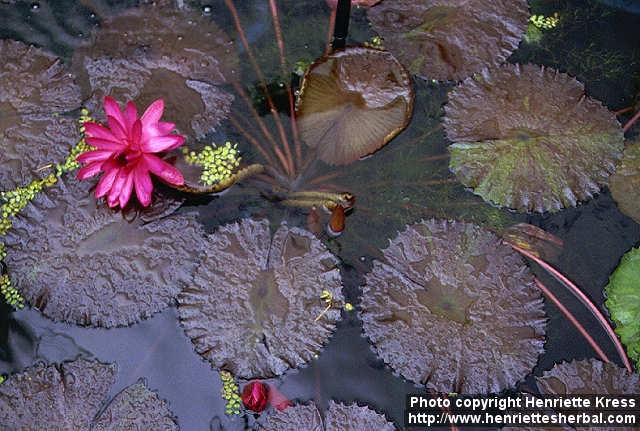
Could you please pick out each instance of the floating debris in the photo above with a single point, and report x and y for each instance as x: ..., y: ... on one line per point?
x: 527, y: 137
x: 251, y: 307
x: 78, y: 261
x: 453, y: 308
x: 36, y: 91
x: 452, y: 39
x: 352, y: 103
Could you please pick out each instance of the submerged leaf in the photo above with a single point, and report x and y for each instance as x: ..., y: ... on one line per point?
x: 80, y: 262
x: 68, y: 396
x: 450, y: 39
x: 156, y: 51
x: 35, y: 89
x: 443, y: 287
x: 254, y: 307
x: 625, y: 182
x: 339, y: 417
x: 623, y: 302
x: 527, y: 137
x: 352, y: 103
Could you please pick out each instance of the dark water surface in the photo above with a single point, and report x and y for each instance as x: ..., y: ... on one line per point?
x: 390, y: 186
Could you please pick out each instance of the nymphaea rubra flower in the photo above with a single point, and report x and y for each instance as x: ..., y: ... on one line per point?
x: 126, y: 152
x: 256, y: 395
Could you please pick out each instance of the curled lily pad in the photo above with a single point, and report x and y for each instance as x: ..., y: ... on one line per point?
x: 352, y: 103
x: 136, y: 408
x: 442, y: 287
x: 527, y: 137
x: 35, y: 89
x: 339, y: 417
x: 80, y: 262
x: 450, y: 40
x: 625, y: 182
x: 254, y: 307
x: 623, y: 302
x: 156, y: 51
x: 68, y: 396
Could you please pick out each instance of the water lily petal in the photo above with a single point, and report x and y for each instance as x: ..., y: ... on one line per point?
x: 98, y: 131
x: 163, y: 170
x: 165, y: 127
x: 107, y: 180
x: 111, y: 108
x: 144, y: 186
x: 118, y: 129
x: 153, y: 113
x: 136, y: 134
x: 125, y: 194
x: 114, y: 194
x: 90, y: 170
x: 94, y: 156
x: 162, y: 143
x: 130, y: 115
x: 105, y: 144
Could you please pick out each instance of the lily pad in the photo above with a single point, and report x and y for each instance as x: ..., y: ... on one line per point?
x: 155, y: 51
x: 352, y: 103
x: 527, y: 137
x: 254, y: 307
x: 136, y: 408
x: 588, y: 377
x: 80, y: 262
x: 442, y: 287
x: 450, y: 39
x: 35, y: 89
x: 623, y: 302
x: 339, y: 417
x: 68, y: 396
x: 625, y: 182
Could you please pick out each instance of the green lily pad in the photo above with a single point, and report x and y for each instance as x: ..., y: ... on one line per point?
x: 528, y: 138
x: 623, y: 302
x: 625, y: 183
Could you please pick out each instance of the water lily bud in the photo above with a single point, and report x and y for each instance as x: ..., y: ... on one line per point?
x: 255, y: 396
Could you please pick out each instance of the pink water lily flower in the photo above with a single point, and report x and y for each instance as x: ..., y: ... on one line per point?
x: 126, y: 152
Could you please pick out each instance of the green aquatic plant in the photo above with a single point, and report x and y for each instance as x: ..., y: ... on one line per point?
x: 10, y: 293
x: 545, y: 22
x: 218, y: 163
x: 623, y: 302
x: 230, y: 393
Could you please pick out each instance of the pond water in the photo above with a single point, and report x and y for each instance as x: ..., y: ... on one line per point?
x: 405, y: 181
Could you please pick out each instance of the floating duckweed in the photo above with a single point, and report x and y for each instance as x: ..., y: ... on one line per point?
x: 2, y: 379
x: 231, y: 393
x: 218, y: 163
x: 348, y: 306
x: 70, y: 163
x: 10, y: 294
x: 545, y: 22
x: 374, y: 42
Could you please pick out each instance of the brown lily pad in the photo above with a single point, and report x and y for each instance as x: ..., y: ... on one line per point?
x: 254, y: 303
x: 527, y: 137
x: 625, y: 182
x: 153, y: 52
x: 442, y: 287
x: 136, y: 408
x: 35, y: 89
x: 68, y: 396
x: 352, y: 103
x: 588, y: 377
x: 450, y: 39
x: 80, y: 262
x: 339, y: 417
